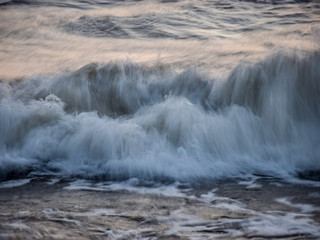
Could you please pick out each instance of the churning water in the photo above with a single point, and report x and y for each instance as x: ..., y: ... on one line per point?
x: 161, y: 90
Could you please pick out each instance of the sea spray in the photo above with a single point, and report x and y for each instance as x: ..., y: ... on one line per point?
x: 123, y: 120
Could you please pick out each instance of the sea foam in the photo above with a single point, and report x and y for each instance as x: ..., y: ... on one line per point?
x: 122, y: 120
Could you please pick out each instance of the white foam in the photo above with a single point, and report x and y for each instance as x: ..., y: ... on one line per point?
x: 302, y: 182
x: 183, y: 223
x: 131, y: 185
x: 251, y: 184
x: 304, y: 208
x: 280, y: 225
x: 277, y: 184
x: 128, y: 234
x: 122, y: 120
x: 101, y: 212
x: 58, y: 236
x: 53, y: 181
x: 17, y: 225
x: 92, y: 212
x: 14, y: 183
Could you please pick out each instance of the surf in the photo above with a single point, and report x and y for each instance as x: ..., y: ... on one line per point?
x: 122, y: 120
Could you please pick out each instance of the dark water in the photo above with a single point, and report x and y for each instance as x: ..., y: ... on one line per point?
x: 159, y: 90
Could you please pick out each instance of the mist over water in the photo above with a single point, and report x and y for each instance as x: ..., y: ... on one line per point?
x: 182, y: 90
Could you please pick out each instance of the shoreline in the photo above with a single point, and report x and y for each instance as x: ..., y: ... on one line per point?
x: 262, y: 208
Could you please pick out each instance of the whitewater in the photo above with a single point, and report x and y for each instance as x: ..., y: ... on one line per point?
x: 159, y: 90
x: 159, y: 119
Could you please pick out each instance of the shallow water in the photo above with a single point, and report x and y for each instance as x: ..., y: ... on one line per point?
x: 133, y: 210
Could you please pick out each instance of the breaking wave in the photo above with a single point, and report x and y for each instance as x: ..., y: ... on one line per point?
x: 122, y: 120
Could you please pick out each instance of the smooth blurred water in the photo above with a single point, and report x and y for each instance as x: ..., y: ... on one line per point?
x: 51, y: 36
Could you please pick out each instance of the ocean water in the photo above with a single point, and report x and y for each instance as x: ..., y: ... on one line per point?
x: 156, y: 90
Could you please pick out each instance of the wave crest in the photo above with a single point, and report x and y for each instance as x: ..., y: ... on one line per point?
x: 121, y: 120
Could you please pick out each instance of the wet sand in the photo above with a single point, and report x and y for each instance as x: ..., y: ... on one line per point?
x: 256, y: 209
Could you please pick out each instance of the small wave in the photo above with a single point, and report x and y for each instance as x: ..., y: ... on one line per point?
x: 83, y: 4
x: 140, y: 26
x: 96, y: 27
x: 122, y: 120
